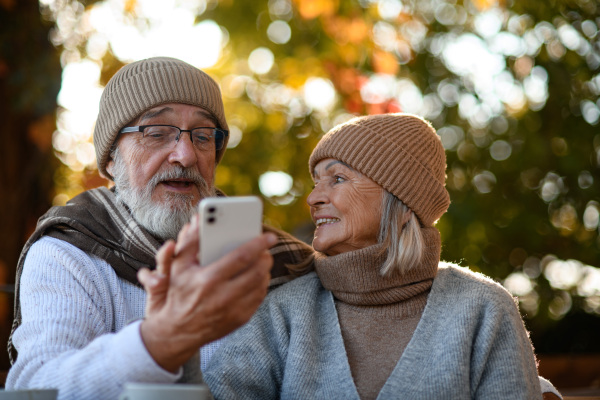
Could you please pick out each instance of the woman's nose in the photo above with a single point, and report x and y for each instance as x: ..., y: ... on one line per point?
x: 316, y: 197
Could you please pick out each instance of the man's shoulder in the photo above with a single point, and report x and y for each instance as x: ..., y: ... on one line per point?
x: 48, y: 253
x: 47, y: 245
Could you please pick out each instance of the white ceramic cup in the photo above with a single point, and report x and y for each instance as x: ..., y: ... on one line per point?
x: 160, y: 391
x: 29, y: 394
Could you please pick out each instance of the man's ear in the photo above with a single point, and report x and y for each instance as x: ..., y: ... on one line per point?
x: 109, y: 167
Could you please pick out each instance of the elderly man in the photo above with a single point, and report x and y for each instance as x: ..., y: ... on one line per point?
x: 161, y: 132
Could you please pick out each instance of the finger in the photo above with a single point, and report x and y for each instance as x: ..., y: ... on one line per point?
x: 238, y: 310
x: 148, y: 279
x: 253, y: 282
x: 180, y: 237
x: 226, y: 314
x: 164, y: 257
x: 225, y: 305
x: 257, y: 276
x: 186, y: 257
x: 196, y: 220
x: 201, y: 290
x: 241, y: 258
x: 188, y: 243
x: 189, y: 235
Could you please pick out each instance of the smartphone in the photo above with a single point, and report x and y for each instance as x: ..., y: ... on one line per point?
x: 226, y: 223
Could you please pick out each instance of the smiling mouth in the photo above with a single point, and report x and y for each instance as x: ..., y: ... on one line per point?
x: 325, y: 221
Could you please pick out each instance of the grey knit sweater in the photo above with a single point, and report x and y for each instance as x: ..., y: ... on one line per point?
x: 469, y: 344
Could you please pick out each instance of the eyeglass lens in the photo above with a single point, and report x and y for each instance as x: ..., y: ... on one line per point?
x: 157, y: 136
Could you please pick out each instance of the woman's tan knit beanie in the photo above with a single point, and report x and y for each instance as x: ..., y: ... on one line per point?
x: 400, y: 152
x: 145, y: 84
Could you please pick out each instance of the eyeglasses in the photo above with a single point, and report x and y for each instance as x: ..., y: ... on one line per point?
x: 161, y: 136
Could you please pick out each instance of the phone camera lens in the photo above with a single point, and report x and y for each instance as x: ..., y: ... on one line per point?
x: 211, y: 220
x: 212, y: 209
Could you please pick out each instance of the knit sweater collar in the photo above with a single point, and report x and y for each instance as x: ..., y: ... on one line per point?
x: 354, y: 277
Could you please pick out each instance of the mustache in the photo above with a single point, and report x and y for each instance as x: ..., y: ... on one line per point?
x: 178, y: 172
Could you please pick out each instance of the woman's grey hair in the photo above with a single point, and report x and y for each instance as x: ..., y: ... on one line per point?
x: 401, y: 236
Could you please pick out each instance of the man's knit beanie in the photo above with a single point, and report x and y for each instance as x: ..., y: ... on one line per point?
x: 142, y: 85
x: 400, y: 152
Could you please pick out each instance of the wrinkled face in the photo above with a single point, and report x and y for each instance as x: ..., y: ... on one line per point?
x: 163, y: 186
x: 345, y: 206
x: 143, y: 164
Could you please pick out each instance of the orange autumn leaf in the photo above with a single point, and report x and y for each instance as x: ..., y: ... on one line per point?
x: 356, y: 30
x: 310, y: 9
x: 483, y: 5
x: 385, y: 63
x: 130, y: 6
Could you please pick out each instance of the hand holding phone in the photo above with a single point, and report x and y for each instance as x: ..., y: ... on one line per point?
x: 226, y: 223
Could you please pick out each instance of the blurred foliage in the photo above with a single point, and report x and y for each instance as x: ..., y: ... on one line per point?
x: 29, y: 83
x: 508, y: 215
x: 513, y: 214
x: 522, y: 139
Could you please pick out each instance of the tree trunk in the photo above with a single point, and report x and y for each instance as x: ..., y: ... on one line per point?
x: 30, y: 75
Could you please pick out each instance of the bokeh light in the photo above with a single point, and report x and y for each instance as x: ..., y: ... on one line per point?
x: 389, y: 9
x: 518, y: 284
x: 261, y: 60
x: 591, y: 216
x: 500, y: 150
x: 484, y: 182
x: 275, y: 183
x: 279, y: 32
x: 563, y: 274
x: 319, y: 94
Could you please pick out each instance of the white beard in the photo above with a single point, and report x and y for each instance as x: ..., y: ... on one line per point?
x: 163, y: 219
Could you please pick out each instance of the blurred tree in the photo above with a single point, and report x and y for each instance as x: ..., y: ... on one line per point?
x: 30, y: 74
x: 512, y: 87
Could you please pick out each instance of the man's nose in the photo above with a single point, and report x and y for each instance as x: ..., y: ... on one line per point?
x: 183, y: 151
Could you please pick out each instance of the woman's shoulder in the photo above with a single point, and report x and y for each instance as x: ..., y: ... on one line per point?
x: 449, y: 270
x: 292, y: 304
x: 304, y: 287
x: 469, y: 285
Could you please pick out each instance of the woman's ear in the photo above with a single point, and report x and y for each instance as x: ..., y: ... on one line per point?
x: 406, y: 216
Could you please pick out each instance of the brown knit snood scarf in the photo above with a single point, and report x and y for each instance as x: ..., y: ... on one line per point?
x: 378, y: 315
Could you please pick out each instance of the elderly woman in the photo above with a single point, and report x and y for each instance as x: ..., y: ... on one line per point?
x: 380, y: 316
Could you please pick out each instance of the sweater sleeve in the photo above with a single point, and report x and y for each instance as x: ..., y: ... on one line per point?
x: 250, y: 362
x: 66, y: 339
x: 503, y: 362
x: 548, y: 387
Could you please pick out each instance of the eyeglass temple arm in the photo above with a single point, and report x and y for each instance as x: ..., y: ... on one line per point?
x: 128, y: 129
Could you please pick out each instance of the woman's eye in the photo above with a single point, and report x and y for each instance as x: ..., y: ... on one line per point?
x: 338, y: 179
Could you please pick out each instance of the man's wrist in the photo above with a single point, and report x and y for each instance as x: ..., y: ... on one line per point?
x: 167, y: 351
